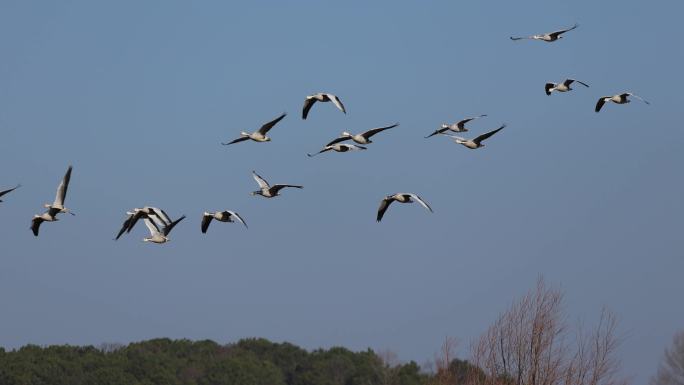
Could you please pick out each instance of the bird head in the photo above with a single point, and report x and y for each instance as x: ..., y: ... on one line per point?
x: 258, y: 192
x: 346, y: 134
x: 243, y: 134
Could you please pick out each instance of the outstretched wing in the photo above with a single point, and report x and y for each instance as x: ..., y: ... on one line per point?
x: 567, y: 82
x: 461, y: 123
x: 308, y: 103
x: 488, y: 134
x: 236, y: 215
x: 600, y: 103
x: 261, y: 181
x: 338, y: 140
x: 548, y: 87
x: 564, y: 30
x: 420, y: 200
x: 440, y: 131
x: 9, y: 190
x: 62, y: 189
x: 374, y: 131
x: 151, y: 226
x: 124, y: 227
x: 384, y: 204
x: 206, y: 220
x: 278, y: 187
x: 170, y: 226
x: 638, y: 97
x: 326, y: 148
x: 35, y: 225
x: 264, y: 129
x: 240, y: 139
x: 337, y: 102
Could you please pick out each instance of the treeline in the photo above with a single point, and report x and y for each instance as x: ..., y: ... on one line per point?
x: 183, y: 362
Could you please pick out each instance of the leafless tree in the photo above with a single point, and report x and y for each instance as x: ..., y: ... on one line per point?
x: 531, y: 344
x: 671, y: 369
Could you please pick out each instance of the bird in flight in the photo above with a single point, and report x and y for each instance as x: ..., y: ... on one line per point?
x: 547, y: 37
x: 56, y: 207
x: 562, y: 87
x: 321, y: 97
x: 401, y: 198
x: 221, y: 216
x: 8, y: 191
x: 258, y: 135
x: 268, y: 191
x: 617, y: 99
x: 362, y: 138
x: 338, y: 147
x: 477, y: 142
x: 455, y: 127
x: 159, y: 230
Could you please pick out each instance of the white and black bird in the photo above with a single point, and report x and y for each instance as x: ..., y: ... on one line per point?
x: 617, y: 99
x: 159, y: 231
x: 145, y: 212
x: 56, y: 207
x: 455, y: 127
x: 258, y: 135
x: 547, y: 37
x: 477, y: 142
x: 321, y: 97
x: 562, y: 87
x: 338, y: 147
x: 221, y: 216
x: 268, y: 191
x: 8, y: 191
x: 401, y: 198
x: 362, y: 138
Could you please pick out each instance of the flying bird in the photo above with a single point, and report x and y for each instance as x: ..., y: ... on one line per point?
x: 547, y: 37
x: 8, y: 191
x: 401, y: 198
x: 56, y: 207
x: 321, y: 97
x: 146, y: 212
x: 477, y: 142
x: 338, y: 147
x: 617, y: 99
x: 362, y: 138
x: 562, y: 87
x: 268, y: 191
x: 455, y: 127
x: 258, y: 135
x: 221, y: 216
x: 159, y: 231
x: 125, y: 225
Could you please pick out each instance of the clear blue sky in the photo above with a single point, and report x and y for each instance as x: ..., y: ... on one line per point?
x: 138, y: 95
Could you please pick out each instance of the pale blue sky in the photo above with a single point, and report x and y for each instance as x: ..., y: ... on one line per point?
x: 138, y: 95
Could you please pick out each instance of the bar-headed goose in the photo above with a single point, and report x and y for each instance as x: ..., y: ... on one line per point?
x: 338, y: 147
x: 145, y: 212
x: 159, y: 230
x: 8, y: 191
x: 268, y: 191
x: 362, y: 138
x: 455, y: 127
x: 562, y: 87
x: 477, y: 142
x: 547, y: 37
x: 56, y: 207
x: 617, y: 99
x: 401, y: 198
x: 321, y: 97
x: 221, y: 216
x: 258, y: 135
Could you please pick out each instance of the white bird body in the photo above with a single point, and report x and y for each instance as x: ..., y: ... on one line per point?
x: 362, y: 138
x: 561, y: 87
x: 477, y: 142
x: 258, y: 135
x: 401, y: 198
x: 339, y: 147
x: 310, y: 100
x: 455, y: 127
x: 268, y: 191
x: 159, y: 229
x: 221, y: 216
x: 56, y: 207
x: 155, y: 235
x: 547, y: 37
x: 617, y: 99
